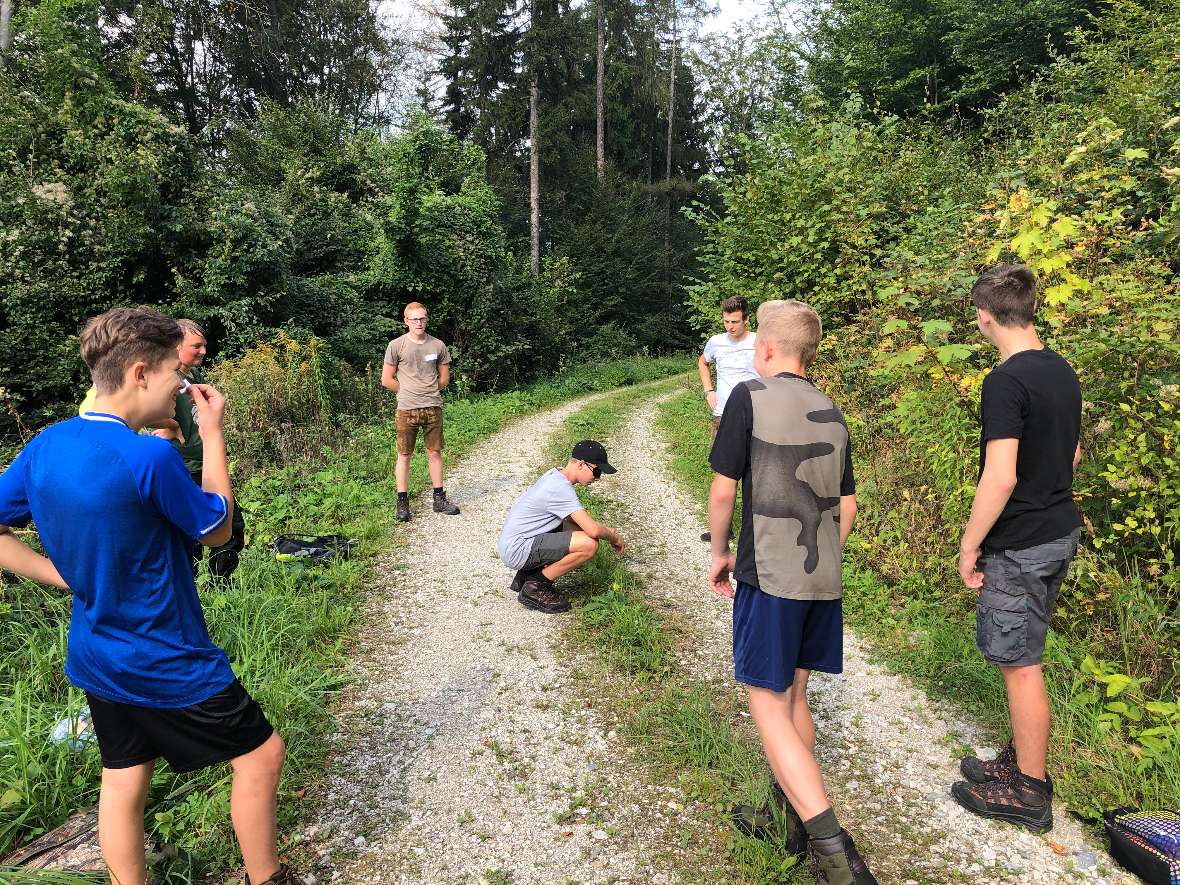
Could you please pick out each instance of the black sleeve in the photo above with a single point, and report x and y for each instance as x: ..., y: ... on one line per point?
x: 848, y: 481
x: 731, y: 448
x: 1003, y: 407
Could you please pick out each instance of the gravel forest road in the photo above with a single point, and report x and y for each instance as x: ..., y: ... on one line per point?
x: 466, y: 755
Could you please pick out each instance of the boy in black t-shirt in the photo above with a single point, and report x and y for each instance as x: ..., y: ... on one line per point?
x: 1020, y: 539
x: 789, y: 446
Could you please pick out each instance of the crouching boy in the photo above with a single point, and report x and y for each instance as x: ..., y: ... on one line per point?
x: 789, y: 445
x: 548, y: 533
x: 116, y: 512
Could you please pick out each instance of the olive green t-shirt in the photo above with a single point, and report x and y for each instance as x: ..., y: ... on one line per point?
x: 416, y: 367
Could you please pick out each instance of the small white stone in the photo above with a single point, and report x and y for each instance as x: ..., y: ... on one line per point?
x: 599, y: 835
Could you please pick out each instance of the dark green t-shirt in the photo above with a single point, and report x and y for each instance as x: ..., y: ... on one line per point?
x: 192, y: 450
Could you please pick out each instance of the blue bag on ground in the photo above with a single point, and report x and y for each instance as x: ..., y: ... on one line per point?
x: 1146, y: 843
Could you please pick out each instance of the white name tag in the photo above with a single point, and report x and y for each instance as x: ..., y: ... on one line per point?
x: 430, y: 357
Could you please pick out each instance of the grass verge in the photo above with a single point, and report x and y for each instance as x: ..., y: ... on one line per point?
x: 680, y: 730
x: 920, y: 620
x: 286, y: 630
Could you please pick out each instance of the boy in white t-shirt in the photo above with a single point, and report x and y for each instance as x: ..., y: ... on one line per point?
x: 732, y: 352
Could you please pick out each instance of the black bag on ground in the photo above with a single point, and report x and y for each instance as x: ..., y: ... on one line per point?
x: 1146, y: 843
x: 312, y: 550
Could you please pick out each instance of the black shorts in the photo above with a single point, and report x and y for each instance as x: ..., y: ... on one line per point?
x: 227, y: 725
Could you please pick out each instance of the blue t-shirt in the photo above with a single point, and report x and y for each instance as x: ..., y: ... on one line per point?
x: 116, y: 512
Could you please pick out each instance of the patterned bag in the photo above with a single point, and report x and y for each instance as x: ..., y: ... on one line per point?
x: 1147, y: 844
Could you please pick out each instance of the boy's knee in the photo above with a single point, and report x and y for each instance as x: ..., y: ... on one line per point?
x: 583, y: 545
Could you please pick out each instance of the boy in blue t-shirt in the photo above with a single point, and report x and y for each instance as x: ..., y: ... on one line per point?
x: 116, y: 512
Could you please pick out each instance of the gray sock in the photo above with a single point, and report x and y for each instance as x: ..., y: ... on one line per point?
x: 823, y: 825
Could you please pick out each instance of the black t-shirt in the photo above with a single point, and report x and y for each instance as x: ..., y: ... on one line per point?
x: 788, y: 444
x: 1034, y: 396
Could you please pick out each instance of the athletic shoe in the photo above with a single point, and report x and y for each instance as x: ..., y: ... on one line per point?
x: 443, y: 505
x: 707, y: 537
x: 760, y: 822
x: 980, y: 771
x: 539, y: 594
x: 1023, y: 800
x: 403, y: 510
x: 837, y: 862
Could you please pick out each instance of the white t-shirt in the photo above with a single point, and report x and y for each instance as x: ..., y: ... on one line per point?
x: 735, y: 364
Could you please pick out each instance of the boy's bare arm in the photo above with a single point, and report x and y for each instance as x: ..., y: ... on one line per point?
x: 18, y: 558
x: 706, y: 380
x: 597, y: 530
x: 214, y: 468
x: 847, y: 517
x: 389, y: 377
x: 991, y: 495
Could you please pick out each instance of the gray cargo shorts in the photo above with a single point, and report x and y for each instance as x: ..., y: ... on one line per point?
x: 548, y: 548
x: 1019, y: 595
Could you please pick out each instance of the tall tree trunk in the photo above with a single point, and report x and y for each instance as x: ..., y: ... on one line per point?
x: 601, y: 90
x: 534, y: 178
x: 671, y: 96
x: 5, y: 29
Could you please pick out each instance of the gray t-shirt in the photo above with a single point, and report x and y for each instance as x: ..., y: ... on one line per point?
x: 416, y: 368
x: 540, y: 509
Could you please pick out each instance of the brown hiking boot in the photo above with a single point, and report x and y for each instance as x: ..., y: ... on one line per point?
x: 981, y: 771
x: 837, y: 862
x: 403, y: 510
x: 1022, y: 800
x: 443, y: 504
x: 283, y: 876
x: 539, y: 594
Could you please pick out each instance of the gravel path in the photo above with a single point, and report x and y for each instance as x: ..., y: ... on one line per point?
x: 888, y: 751
x: 464, y: 755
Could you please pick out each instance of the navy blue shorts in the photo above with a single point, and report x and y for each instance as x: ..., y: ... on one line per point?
x: 774, y: 637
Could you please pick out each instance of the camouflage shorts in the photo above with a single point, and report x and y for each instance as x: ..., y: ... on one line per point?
x: 1019, y: 595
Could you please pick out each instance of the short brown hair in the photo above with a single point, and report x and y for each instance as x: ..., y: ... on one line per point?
x: 1008, y: 292
x: 112, y: 341
x: 734, y: 304
x: 793, y: 326
x: 188, y: 327
x: 413, y: 305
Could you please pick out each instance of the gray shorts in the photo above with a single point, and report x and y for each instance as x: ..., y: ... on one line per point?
x: 1019, y: 595
x: 548, y: 548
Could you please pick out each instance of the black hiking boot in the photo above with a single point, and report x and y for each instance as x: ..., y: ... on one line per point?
x: 1022, y: 800
x: 284, y: 876
x: 443, y: 505
x: 837, y: 862
x: 403, y: 510
x: 761, y: 823
x: 707, y: 537
x: 981, y: 771
x: 539, y: 594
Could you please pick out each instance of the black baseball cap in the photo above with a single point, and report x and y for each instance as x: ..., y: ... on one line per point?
x: 592, y: 452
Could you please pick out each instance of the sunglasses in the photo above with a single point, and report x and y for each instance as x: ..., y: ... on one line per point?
x: 594, y: 468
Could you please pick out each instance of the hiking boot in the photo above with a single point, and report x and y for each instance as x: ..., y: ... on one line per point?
x: 837, y: 862
x: 521, y: 576
x: 707, y: 537
x: 283, y: 876
x: 1022, y: 800
x: 980, y: 771
x: 760, y: 823
x: 403, y: 510
x: 443, y: 505
x: 539, y: 594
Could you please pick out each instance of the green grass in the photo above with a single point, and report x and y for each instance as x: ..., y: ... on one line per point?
x: 286, y: 630
x: 902, y: 592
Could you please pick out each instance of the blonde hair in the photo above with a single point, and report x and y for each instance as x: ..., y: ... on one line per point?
x: 114, y: 340
x: 191, y: 328
x: 413, y: 305
x: 792, y: 326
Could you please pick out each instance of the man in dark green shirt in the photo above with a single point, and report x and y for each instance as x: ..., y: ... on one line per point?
x: 223, y: 560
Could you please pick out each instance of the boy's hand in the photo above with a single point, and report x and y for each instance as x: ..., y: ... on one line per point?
x: 719, y: 572
x: 617, y: 542
x: 210, y: 406
x: 967, y: 571
x: 711, y: 399
x: 168, y: 429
